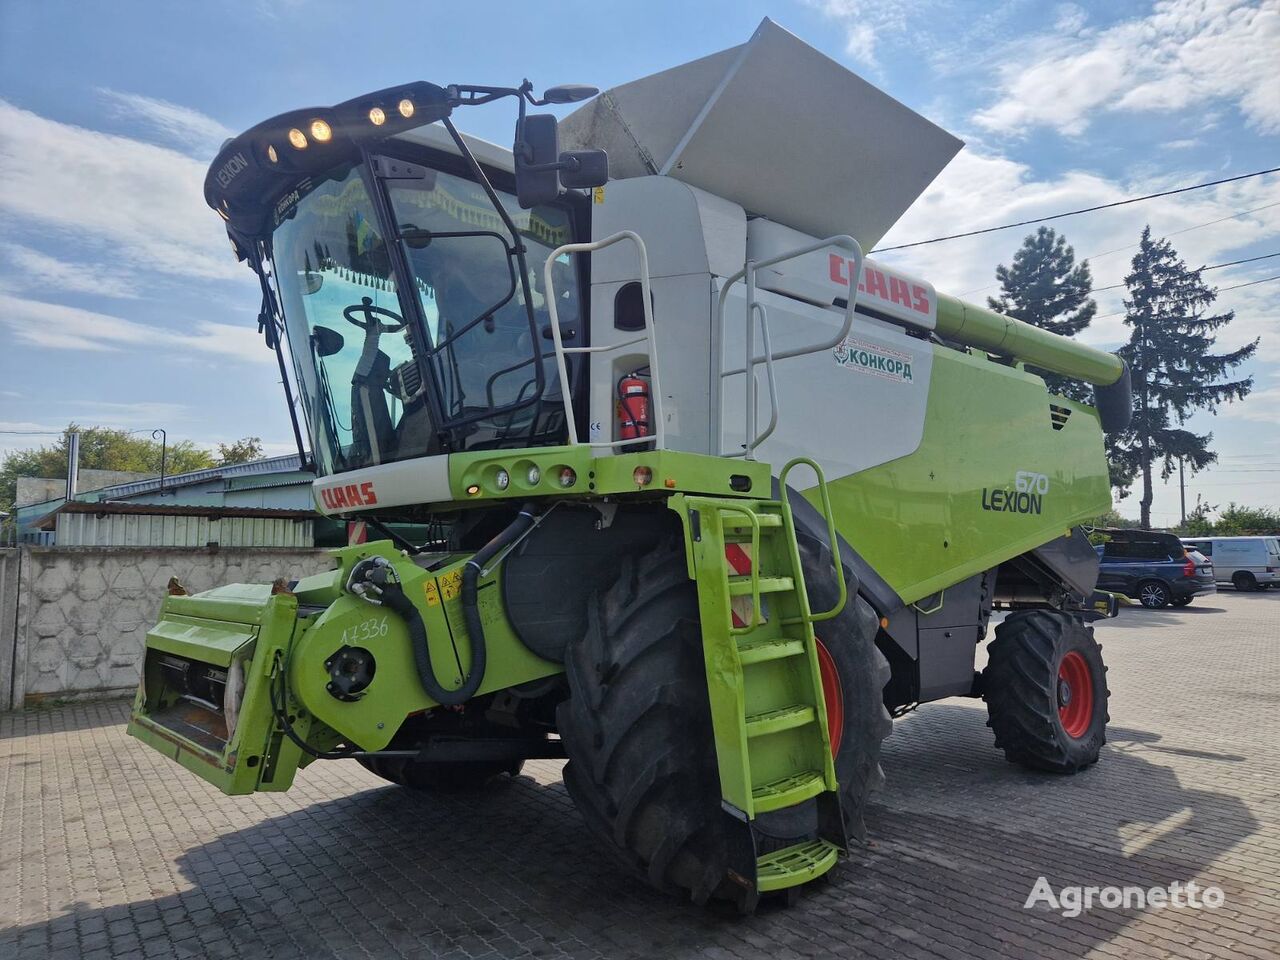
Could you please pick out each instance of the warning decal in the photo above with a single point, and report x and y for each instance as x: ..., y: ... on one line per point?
x: 443, y: 588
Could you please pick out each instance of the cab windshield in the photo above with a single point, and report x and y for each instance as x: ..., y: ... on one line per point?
x: 376, y: 384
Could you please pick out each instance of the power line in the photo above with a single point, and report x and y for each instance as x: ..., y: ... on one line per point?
x: 1237, y: 286
x: 1073, y: 213
x: 1129, y: 246
x: 1216, y: 266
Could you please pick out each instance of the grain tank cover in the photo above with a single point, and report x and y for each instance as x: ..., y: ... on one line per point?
x: 777, y: 127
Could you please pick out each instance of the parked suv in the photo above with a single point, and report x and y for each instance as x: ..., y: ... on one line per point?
x: 1247, y: 563
x: 1153, y: 568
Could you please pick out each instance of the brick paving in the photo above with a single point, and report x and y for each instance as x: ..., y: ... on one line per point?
x: 107, y: 850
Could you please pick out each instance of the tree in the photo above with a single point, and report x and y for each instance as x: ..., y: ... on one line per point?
x: 1046, y: 288
x: 242, y: 451
x: 1238, y: 521
x: 1174, y: 372
x: 101, y: 448
x: 1198, y: 523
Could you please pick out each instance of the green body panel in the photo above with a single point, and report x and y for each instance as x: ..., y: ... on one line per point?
x: 672, y: 471
x: 988, y: 330
x: 396, y: 691
x: 931, y: 519
x: 256, y: 757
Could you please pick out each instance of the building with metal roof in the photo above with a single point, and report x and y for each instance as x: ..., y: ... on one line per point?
x: 264, y: 503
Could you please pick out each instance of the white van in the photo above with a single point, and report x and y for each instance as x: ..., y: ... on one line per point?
x: 1247, y: 563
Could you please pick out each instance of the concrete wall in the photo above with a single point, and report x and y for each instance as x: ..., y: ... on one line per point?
x: 10, y: 560
x: 81, y: 614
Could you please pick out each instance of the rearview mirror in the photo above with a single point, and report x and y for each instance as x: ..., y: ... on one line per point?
x: 569, y: 93
x: 584, y: 168
x: 536, y: 150
x: 327, y: 342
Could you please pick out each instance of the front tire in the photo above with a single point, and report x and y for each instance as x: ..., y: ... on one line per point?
x: 1153, y: 594
x: 1046, y: 690
x: 637, y: 727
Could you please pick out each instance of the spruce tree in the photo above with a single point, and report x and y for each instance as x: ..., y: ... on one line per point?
x: 1048, y: 289
x: 1174, y: 373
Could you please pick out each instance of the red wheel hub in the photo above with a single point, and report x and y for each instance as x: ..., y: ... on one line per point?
x: 1075, y: 694
x: 833, y: 696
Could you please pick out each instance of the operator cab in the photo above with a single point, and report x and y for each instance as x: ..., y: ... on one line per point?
x: 402, y: 262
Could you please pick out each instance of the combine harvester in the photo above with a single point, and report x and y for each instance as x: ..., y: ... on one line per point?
x: 706, y: 497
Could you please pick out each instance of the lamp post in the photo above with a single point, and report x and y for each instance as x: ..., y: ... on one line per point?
x: 164, y: 449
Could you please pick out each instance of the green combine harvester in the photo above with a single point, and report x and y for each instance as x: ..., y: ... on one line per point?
x: 704, y: 496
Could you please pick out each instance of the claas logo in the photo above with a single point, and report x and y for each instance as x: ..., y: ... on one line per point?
x: 351, y: 495
x: 883, y: 286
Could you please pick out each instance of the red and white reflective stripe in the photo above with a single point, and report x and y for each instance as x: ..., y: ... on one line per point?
x: 357, y: 532
x: 738, y: 556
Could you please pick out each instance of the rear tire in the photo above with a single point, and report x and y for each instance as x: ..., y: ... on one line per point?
x: 439, y: 777
x: 1244, y: 581
x: 1046, y: 690
x: 1182, y: 601
x: 1153, y: 594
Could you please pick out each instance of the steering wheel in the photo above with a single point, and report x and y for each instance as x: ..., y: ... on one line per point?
x: 371, y: 323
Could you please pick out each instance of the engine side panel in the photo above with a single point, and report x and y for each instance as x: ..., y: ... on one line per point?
x: 994, y: 475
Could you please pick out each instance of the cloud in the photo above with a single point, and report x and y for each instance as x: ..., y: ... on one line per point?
x: 1259, y: 406
x: 1184, y: 53
x: 57, y: 327
x: 865, y: 23
x: 142, y: 206
x: 38, y: 271
x: 190, y: 130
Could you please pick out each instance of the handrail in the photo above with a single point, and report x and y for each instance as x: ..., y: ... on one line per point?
x: 748, y: 276
x: 656, y: 416
x: 832, y: 536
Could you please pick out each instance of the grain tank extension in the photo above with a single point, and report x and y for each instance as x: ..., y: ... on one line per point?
x: 685, y: 488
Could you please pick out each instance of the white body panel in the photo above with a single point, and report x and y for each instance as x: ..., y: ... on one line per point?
x: 421, y: 480
x: 854, y: 407
x: 691, y: 236
x: 822, y: 277
x: 850, y: 409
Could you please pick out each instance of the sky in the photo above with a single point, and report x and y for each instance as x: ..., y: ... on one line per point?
x: 121, y: 303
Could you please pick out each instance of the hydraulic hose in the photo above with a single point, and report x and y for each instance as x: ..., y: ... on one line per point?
x: 470, y: 586
x: 374, y: 580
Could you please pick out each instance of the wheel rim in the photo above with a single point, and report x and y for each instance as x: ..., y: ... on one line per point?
x: 1075, y: 695
x: 1152, y: 595
x: 833, y: 696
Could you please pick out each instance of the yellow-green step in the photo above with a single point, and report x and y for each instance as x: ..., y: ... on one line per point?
x: 788, y: 791
x: 792, y: 866
x: 736, y: 521
x: 777, y: 720
x: 740, y: 586
x: 761, y: 649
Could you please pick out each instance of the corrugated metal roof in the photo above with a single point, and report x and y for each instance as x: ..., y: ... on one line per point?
x: 48, y: 521
x: 295, y: 478
x: 287, y: 463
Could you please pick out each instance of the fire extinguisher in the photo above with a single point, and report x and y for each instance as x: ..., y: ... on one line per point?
x: 633, y: 406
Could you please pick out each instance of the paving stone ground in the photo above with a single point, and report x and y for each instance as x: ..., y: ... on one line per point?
x: 109, y: 850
